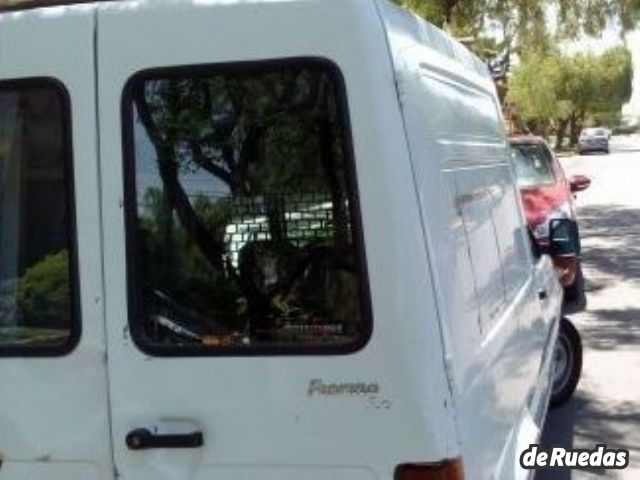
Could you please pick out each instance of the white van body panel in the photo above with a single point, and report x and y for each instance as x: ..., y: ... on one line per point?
x: 461, y: 343
x: 284, y: 432
x: 54, y: 416
x: 494, y: 324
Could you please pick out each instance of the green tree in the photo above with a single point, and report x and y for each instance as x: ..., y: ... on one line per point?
x: 593, y: 88
x: 523, y: 25
x: 43, y: 292
x: 534, y: 90
x: 567, y: 92
x: 575, y: 17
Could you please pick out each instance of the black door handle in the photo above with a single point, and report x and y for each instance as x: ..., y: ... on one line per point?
x: 542, y: 294
x: 143, y: 439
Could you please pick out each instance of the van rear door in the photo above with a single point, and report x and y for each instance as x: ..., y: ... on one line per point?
x: 239, y: 323
x: 53, y: 386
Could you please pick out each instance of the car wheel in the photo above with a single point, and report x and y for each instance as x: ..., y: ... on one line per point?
x: 567, y: 363
x: 575, y: 298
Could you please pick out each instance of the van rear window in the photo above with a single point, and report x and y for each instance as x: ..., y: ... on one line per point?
x: 37, y: 273
x: 243, y: 229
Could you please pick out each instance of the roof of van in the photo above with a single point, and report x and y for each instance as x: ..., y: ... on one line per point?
x: 407, y: 29
x: 12, y: 5
x: 408, y: 32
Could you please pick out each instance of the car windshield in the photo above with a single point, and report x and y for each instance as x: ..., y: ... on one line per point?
x: 532, y: 164
x: 594, y: 132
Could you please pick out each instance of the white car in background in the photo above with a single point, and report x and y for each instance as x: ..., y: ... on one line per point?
x: 594, y: 140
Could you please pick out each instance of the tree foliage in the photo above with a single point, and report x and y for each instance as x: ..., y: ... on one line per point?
x: 534, y: 87
x: 521, y: 24
x: 43, y: 292
x: 554, y: 90
x: 574, y: 17
x: 184, y: 270
x: 255, y: 134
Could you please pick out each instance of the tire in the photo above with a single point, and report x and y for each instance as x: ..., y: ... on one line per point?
x: 575, y: 298
x: 569, y: 345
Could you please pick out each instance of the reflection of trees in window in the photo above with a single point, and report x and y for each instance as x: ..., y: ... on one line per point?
x: 36, y: 308
x: 44, y: 297
x: 266, y: 253
x: 35, y: 268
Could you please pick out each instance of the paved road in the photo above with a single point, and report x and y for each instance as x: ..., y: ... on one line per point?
x: 606, y: 407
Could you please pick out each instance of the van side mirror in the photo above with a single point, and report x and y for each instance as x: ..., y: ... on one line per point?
x: 578, y: 183
x: 564, y: 238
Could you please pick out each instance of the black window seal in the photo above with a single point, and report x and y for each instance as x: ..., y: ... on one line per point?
x: 135, y: 319
x: 75, y: 327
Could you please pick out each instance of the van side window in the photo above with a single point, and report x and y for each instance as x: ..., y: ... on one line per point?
x: 242, y: 223
x: 37, y: 307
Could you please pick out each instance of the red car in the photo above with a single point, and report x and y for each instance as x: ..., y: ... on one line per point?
x: 548, y: 194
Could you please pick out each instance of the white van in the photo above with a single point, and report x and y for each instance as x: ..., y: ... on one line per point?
x: 274, y: 240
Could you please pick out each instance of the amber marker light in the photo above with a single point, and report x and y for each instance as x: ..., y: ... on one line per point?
x: 446, y: 470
